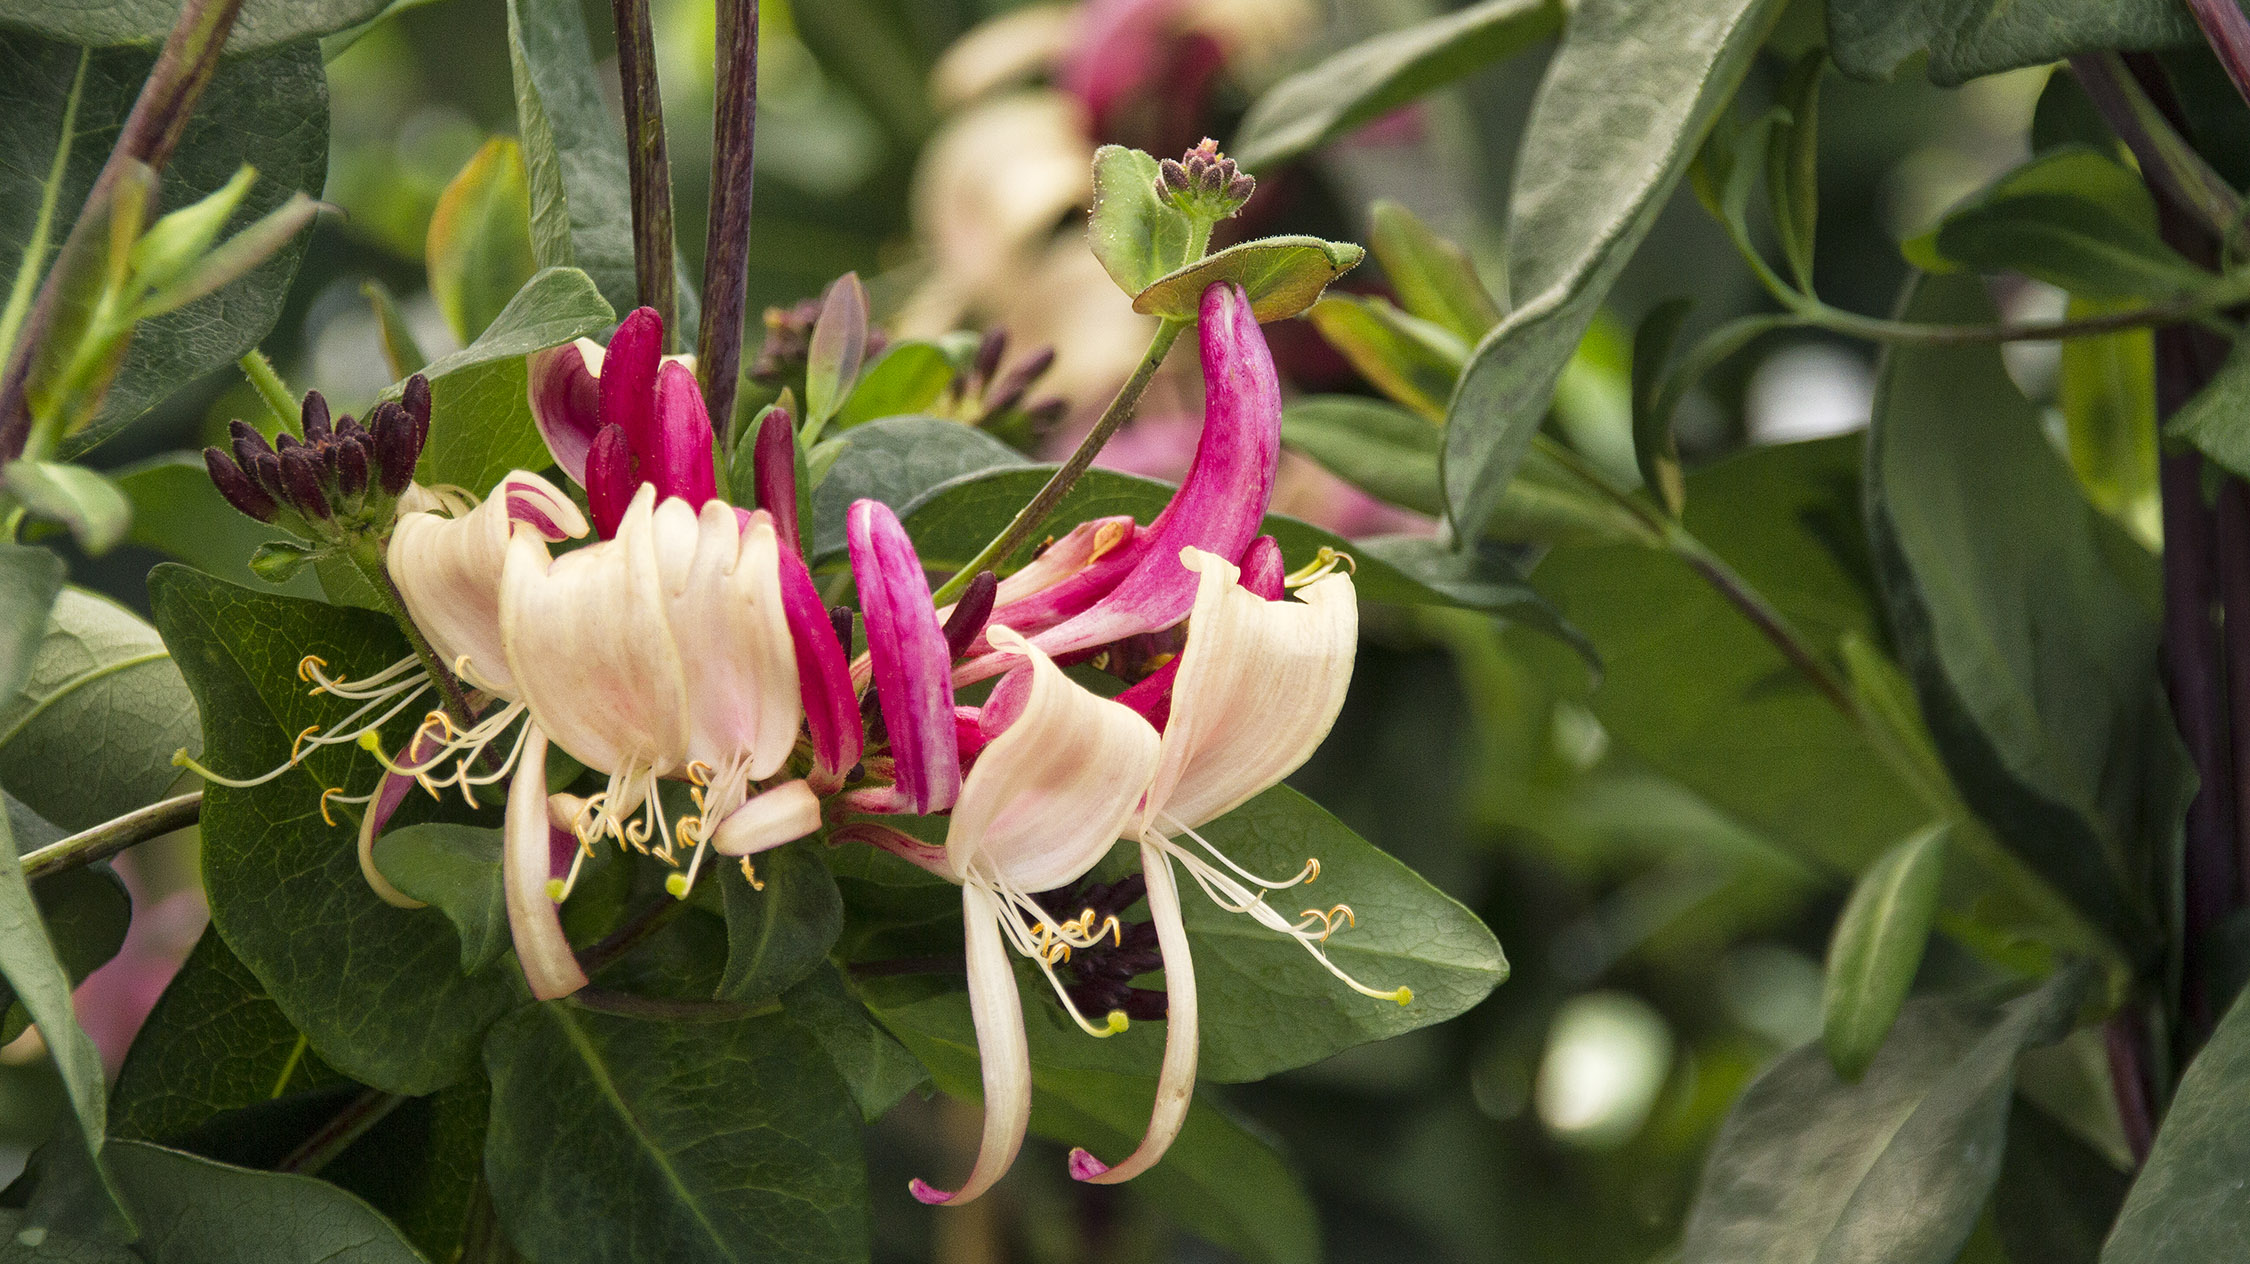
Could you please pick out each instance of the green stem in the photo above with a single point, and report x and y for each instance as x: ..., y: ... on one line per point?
x: 35, y: 251
x: 369, y: 562
x: 111, y: 837
x: 1029, y: 518
x: 275, y: 392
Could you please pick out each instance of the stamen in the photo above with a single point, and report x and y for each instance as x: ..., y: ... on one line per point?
x: 751, y: 873
x: 1324, y: 563
x: 1307, y: 874
x: 1238, y: 899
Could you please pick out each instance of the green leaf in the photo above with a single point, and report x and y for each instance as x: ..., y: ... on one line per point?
x: 906, y: 378
x: 1137, y: 236
x: 456, y: 870
x: 2217, y: 420
x: 378, y: 989
x: 1435, y: 279
x: 1218, y: 1179
x: 2027, y: 620
x: 687, y: 1141
x: 81, y: 499
x: 176, y: 511
x: 1284, y: 276
x: 1410, y: 360
x: 195, y: 1211
x: 479, y: 249
x: 835, y: 352
x: 177, y: 240
x: 2106, y: 389
x: 2188, y: 1204
x: 2073, y: 217
x: 214, y: 1043
x: 401, y: 351
x: 86, y: 911
x: 1488, y: 577
x: 30, y: 579
x: 1375, y: 76
x: 269, y: 110
x: 1876, y: 948
x: 897, y: 460
x: 422, y: 1167
x: 1966, y: 39
x: 2057, y: 1196
x: 1655, y: 449
x: 573, y: 150
x: 779, y: 935
x: 1793, y: 165
x: 1891, y: 1170
x: 554, y: 306
x: 1595, y: 167
x: 22, y: 1244
x: 262, y: 24
x: 876, y: 1067
x: 90, y: 734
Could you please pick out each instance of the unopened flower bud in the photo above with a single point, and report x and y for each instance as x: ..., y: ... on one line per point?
x: 1204, y: 183
x: 989, y: 351
x: 238, y: 487
x: 395, y: 449
x: 773, y: 469
x: 313, y: 418
x: 300, y: 479
x: 970, y: 613
x: 1011, y: 389
x: 350, y: 462
x: 267, y: 471
x: 840, y: 622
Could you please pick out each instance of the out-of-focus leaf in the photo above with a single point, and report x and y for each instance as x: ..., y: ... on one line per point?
x: 90, y: 734
x: 1435, y: 278
x: 553, y: 306
x: 2057, y: 1196
x: 81, y: 499
x: 777, y: 936
x: 836, y: 351
x: 573, y: 150
x: 378, y: 989
x: 2027, y: 620
x: 401, y: 350
x: 177, y: 511
x: 1891, y: 1170
x: 195, y: 1211
x: 906, y: 378
x: 1872, y: 39
x: 456, y: 870
x: 896, y: 460
x: 876, y: 1067
x: 30, y: 579
x: 21, y: 1244
x: 260, y: 25
x: 2073, y: 217
x: 2189, y: 1204
x: 2217, y: 420
x: 1876, y: 948
x: 1655, y: 449
x: 2106, y: 390
x: 1411, y: 360
x: 1377, y: 75
x: 1595, y: 167
x: 86, y: 911
x: 215, y: 1042
x: 688, y: 1141
x: 269, y: 110
x: 1793, y: 166
x: 479, y: 249
x: 1283, y: 275
x: 1138, y: 237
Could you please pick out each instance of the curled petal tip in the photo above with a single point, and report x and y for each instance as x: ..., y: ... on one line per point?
x: 926, y: 1193
x: 1084, y: 1166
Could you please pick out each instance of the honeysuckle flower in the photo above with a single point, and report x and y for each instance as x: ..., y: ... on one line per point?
x: 571, y: 401
x: 1254, y: 691
x: 910, y: 662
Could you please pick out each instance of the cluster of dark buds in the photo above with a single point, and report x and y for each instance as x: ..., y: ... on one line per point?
x: 782, y: 357
x: 340, y: 479
x: 1100, y: 978
x: 992, y: 400
x: 1204, y: 183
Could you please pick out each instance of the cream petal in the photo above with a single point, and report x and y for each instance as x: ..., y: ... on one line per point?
x: 783, y: 814
x: 1002, y: 1050
x: 448, y: 570
x: 1175, y: 1081
x: 591, y: 649
x: 1259, y: 685
x: 1051, y: 793
x: 533, y: 919
x: 732, y: 630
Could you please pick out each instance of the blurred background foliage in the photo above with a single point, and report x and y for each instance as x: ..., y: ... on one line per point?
x: 1663, y: 949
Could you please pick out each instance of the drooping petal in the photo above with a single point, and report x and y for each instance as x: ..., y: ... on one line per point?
x: 448, y: 570
x: 678, y: 456
x: 733, y: 635
x: 1259, y: 685
x: 1175, y: 1081
x: 534, y: 922
x: 613, y: 474
x: 566, y: 401
x: 1051, y: 793
x: 591, y: 647
x: 906, y: 647
x: 628, y: 377
x: 773, y: 467
x: 1002, y: 1050
x: 783, y: 814
x: 824, y: 677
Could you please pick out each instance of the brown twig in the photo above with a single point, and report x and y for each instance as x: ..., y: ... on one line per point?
x: 726, y: 246
x: 649, y: 164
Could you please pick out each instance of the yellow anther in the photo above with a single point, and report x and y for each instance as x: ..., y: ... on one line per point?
x: 1312, y: 869
x: 298, y: 745
x: 324, y: 797
x: 750, y: 872
x: 698, y: 773
x: 676, y: 885
x: 1117, y: 1021
x: 307, y: 666
x: 1114, y: 929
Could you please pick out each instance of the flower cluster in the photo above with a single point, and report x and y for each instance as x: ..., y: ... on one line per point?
x: 1204, y: 183
x: 339, y: 476
x: 679, y: 640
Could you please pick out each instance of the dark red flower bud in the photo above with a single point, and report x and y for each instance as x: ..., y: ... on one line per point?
x: 416, y: 401
x: 314, y: 416
x: 994, y: 346
x: 612, y: 477
x: 840, y: 622
x: 1019, y: 379
x: 266, y: 469
x: 970, y: 612
x: 773, y: 468
x: 393, y: 434
x: 300, y: 478
x: 349, y: 460
x: 239, y: 489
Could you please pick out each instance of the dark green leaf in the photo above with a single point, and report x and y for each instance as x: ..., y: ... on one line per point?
x: 214, y: 1043
x: 456, y: 870
x: 2067, y: 241
x: 1595, y: 167
x: 2026, y: 619
x: 194, y: 1211
x: 2189, y: 1205
x: 1411, y: 360
x: 421, y: 1167
x: 896, y: 460
x: 1284, y: 276
x: 1793, y: 166
x: 269, y: 110
x: 1655, y: 449
x: 876, y: 1067
x: 177, y: 511
x: 30, y: 579
x: 1487, y: 577
x: 261, y: 24
x: 91, y: 733
x: 777, y: 936
x: 573, y: 150
x: 1872, y: 39
x: 1876, y: 948
x: 78, y: 498
x: 836, y: 351
x: 2217, y: 420
x: 553, y: 307
x: 1377, y: 75
x: 1138, y: 237
x: 1435, y: 278
x: 34, y: 1245
x: 86, y: 911
x: 2057, y: 1197
x: 685, y: 1141
x: 905, y: 379
x: 479, y: 251
x: 378, y: 989
x: 1891, y: 1170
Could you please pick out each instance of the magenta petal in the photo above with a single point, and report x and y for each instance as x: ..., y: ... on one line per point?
x: 773, y: 465
x: 566, y: 405
x: 912, y: 672
x: 969, y: 736
x: 1151, y: 697
x: 1006, y: 701
x: 677, y: 457
x: 628, y: 380
x: 612, y: 476
x: 1263, y: 570
x: 824, y: 677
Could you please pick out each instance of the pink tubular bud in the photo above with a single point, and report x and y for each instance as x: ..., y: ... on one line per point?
x: 913, y: 673
x: 773, y: 464
x: 612, y: 476
x: 677, y: 454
